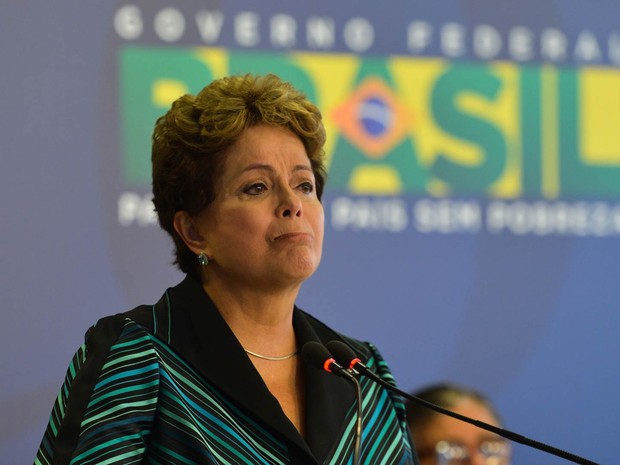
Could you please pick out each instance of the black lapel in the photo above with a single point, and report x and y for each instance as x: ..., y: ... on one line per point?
x: 328, y: 397
x: 201, y: 336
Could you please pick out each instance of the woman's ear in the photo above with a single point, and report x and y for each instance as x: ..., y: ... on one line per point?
x: 186, y: 227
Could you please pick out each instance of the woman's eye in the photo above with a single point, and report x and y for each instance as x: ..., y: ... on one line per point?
x: 255, y: 189
x: 306, y: 187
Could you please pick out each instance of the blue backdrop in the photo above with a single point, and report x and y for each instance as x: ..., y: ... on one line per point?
x: 472, y: 210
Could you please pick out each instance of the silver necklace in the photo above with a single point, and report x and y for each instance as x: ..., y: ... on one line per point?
x: 272, y: 359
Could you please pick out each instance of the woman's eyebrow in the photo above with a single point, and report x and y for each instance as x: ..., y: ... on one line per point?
x: 266, y: 167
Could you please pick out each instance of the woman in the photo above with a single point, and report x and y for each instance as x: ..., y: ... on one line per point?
x: 441, y: 439
x: 211, y: 373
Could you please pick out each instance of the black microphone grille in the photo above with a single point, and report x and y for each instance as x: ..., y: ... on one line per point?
x: 342, y: 352
x: 315, y: 354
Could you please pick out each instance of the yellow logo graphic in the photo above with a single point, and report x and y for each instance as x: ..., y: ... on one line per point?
x: 402, y: 125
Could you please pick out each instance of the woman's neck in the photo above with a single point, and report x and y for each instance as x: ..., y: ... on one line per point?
x: 261, y: 321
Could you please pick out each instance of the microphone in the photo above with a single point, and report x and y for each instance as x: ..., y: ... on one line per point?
x: 347, y: 357
x: 316, y: 355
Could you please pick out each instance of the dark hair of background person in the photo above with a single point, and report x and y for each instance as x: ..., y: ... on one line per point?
x: 191, y: 140
x: 445, y: 395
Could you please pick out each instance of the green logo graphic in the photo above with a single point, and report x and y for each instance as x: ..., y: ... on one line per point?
x: 399, y: 125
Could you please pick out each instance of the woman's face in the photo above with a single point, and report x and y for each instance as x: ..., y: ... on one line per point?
x: 265, y: 226
x: 474, y: 443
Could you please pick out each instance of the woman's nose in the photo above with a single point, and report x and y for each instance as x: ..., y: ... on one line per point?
x: 290, y: 204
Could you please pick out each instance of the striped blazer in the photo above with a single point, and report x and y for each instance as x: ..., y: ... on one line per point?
x: 170, y: 383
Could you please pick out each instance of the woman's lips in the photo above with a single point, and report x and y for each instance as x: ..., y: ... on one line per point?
x: 294, y: 236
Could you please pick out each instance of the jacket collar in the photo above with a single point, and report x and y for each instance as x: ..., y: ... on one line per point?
x: 201, y: 336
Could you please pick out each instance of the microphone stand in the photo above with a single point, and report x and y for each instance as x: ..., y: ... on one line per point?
x: 358, y: 423
x: 316, y: 355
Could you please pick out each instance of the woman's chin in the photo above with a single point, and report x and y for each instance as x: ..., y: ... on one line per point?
x: 300, y: 266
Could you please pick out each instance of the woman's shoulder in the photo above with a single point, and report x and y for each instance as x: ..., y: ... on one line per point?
x: 124, y: 329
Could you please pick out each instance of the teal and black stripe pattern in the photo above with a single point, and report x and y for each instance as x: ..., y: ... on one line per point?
x: 384, y: 417
x: 60, y: 408
x: 147, y: 405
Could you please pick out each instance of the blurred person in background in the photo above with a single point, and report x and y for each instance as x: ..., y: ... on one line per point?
x: 442, y: 440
